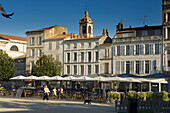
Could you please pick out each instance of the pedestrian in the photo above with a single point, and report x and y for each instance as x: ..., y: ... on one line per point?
x: 46, y: 93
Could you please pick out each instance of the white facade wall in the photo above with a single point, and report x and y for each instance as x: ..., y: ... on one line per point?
x: 78, y: 50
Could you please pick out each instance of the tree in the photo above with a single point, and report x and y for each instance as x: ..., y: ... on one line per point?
x: 7, y: 65
x: 48, y: 66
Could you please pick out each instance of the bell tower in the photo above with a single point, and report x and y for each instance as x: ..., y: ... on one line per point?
x: 86, y: 26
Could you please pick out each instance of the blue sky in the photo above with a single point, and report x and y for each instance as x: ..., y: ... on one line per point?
x: 36, y: 14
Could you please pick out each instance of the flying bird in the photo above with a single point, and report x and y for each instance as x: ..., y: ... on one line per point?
x: 4, y: 13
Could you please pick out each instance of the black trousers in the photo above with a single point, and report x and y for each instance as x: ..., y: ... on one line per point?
x: 45, y: 96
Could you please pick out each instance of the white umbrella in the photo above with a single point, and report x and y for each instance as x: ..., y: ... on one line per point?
x: 56, y: 78
x: 20, y: 77
x: 31, y: 77
x: 43, y: 78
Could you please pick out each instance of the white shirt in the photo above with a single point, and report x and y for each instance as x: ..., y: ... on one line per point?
x: 46, y: 90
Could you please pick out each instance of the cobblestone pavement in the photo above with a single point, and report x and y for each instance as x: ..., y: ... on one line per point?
x: 32, y: 105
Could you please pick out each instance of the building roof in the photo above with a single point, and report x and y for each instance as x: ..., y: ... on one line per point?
x: 2, y: 36
x: 105, y: 44
x: 61, y: 36
x: 98, y: 37
x: 43, y: 29
x: 139, y: 28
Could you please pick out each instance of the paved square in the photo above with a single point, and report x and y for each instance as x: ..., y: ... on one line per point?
x: 32, y: 105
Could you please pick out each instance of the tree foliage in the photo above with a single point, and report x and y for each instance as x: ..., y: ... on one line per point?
x: 7, y: 65
x: 48, y: 66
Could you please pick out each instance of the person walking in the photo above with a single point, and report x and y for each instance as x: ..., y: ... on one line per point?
x: 46, y: 93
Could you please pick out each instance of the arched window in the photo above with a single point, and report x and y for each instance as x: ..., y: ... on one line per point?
x: 14, y: 48
x: 89, y: 29
x: 84, y: 30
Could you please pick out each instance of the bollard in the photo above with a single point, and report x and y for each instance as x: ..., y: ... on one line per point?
x: 132, y: 105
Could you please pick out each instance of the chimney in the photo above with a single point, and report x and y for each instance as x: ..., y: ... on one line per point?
x: 119, y: 26
x: 107, y: 32
x: 104, y: 32
x: 130, y: 27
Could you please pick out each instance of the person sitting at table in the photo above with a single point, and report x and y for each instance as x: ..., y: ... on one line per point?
x: 46, y: 93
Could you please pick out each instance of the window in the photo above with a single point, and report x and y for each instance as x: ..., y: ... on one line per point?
x: 114, y: 50
x: 106, y: 68
x: 32, y: 53
x: 168, y: 63
x: 39, y: 40
x: 147, y: 67
x: 68, y: 57
x: 97, y: 56
x: 82, y: 56
x: 122, y: 66
x: 57, y: 57
x: 57, y: 45
x: 156, y: 48
x: 141, y: 49
x: 117, y: 67
x: 82, y: 45
x: 89, y: 56
x: 137, y: 49
x: 39, y: 52
x: 14, y: 48
x: 84, y: 30
x: 32, y: 41
x: 75, y: 70
x: 50, y: 45
x: 82, y: 69
x: 168, y: 33
x: 122, y: 50
x: 154, y: 65
x: 158, y: 32
x: 68, y: 46
x: 127, y: 50
x: 96, y: 69
x: 68, y: 70
x: 131, y: 49
x: 132, y: 67
x: 89, y: 29
x: 89, y: 69
x: 168, y: 17
x: 128, y: 67
x: 89, y: 44
x: 144, y: 33
x: 118, y: 50
x: 137, y: 67
x: 106, y: 53
x: 147, y: 49
x: 151, y: 49
x: 75, y: 57
x: 75, y: 45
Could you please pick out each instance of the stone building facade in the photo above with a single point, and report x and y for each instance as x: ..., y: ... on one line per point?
x: 166, y: 34
x: 15, y: 47
x: 82, y: 52
x: 35, y: 45
x: 137, y: 50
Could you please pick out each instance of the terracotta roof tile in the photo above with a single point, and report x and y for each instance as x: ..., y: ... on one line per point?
x: 43, y: 29
x: 85, y: 38
x: 13, y: 37
x: 61, y: 36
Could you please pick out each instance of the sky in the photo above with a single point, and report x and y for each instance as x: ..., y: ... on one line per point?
x: 106, y: 14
